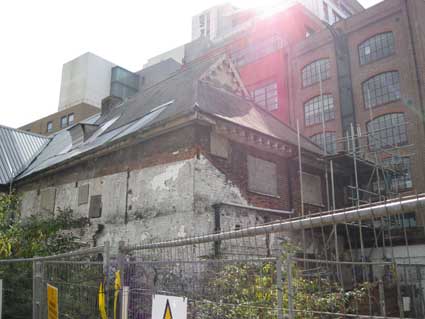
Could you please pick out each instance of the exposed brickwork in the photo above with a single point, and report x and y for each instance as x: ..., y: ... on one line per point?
x: 236, y: 170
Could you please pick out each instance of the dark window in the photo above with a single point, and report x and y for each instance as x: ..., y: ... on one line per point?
x: 313, y: 110
x: 326, y: 11
x: 64, y: 121
x: 95, y: 209
x: 382, y: 88
x: 83, y: 194
x: 406, y: 220
x: 49, y: 127
x: 376, y: 47
x: 70, y: 118
x: 401, y: 178
x: 256, y: 50
x: 316, y: 71
x: 330, y: 141
x: 266, y: 96
x: 387, y: 131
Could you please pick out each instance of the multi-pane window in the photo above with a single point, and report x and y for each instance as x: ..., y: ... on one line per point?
x: 70, y: 118
x: 256, y: 50
x: 401, y: 178
x: 64, y: 121
x: 49, y: 127
x: 397, y: 177
x: 387, y: 131
x: 313, y: 109
x: 382, y: 88
x: 376, y: 47
x: 266, y: 96
x: 316, y: 71
x: 330, y: 138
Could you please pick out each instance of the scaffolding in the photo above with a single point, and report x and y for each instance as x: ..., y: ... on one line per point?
x: 376, y: 171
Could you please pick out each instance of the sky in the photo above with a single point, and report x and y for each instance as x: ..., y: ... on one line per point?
x: 38, y: 37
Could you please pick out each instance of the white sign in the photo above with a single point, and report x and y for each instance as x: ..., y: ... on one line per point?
x: 124, y: 302
x: 169, y: 307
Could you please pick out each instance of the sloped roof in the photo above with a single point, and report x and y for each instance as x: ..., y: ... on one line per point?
x: 17, y: 149
x: 233, y: 108
x: 181, y: 93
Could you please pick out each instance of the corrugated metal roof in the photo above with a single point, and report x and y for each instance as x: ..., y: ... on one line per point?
x: 17, y: 149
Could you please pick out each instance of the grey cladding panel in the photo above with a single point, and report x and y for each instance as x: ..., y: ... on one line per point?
x: 95, y: 209
x: 219, y: 145
x: 262, y: 177
x: 83, y: 194
x: 312, y: 189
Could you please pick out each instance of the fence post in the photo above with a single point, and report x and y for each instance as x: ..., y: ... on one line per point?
x: 279, y: 287
x: 399, y: 296
x: 382, y: 298
x: 121, y: 266
x: 34, y: 293
x: 36, y: 289
x: 290, y: 288
x: 106, y: 270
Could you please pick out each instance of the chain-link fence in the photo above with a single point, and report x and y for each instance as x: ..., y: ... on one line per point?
x: 76, y: 276
x: 343, y: 264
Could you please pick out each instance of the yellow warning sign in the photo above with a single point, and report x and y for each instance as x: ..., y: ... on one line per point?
x: 167, y: 312
x: 52, y: 302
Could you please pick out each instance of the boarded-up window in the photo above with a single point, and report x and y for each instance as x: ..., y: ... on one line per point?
x: 312, y: 189
x: 262, y: 177
x: 219, y: 145
x: 47, y: 200
x: 83, y: 194
x: 95, y: 209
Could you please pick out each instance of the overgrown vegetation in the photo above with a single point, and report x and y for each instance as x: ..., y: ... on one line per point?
x: 250, y: 290
x: 26, y: 238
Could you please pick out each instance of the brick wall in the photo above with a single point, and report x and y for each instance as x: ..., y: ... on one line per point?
x: 389, y: 15
x: 80, y: 111
x: 236, y: 170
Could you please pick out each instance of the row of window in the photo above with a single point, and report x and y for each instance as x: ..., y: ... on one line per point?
x: 380, y: 89
x: 65, y: 121
x: 385, y: 131
x: 373, y: 49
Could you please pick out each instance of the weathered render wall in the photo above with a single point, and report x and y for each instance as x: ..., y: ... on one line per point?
x: 162, y: 188
x: 164, y: 201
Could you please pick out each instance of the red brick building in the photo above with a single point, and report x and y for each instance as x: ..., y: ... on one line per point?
x: 370, y: 78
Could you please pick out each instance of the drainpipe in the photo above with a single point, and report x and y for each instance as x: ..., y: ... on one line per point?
x: 217, y: 228
x: 417, y: 71
x: 415, y: 61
